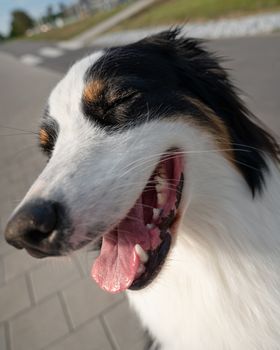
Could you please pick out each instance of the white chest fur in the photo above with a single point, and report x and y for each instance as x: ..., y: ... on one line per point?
x: 220, y: 287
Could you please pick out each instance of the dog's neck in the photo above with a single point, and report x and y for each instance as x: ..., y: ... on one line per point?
x: 220, y: 287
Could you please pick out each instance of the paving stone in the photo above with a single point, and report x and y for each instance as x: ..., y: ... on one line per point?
x: 85, y: 260
x: 21, y: 169
x: 125, y: 327
x: 2, y: 276
x: 89, y: 337
x: 3, y: 344
x: 14, y: 297
x: 19, y: 261
x: 4, y: 246
x: 39, y: 326
x: 85, y: 300
x: 55, y: 274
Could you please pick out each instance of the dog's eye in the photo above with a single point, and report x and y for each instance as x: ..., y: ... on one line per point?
x: 47, y: 140
x: 122, y: 98
x: 112, y: 109
x: 48, y: 133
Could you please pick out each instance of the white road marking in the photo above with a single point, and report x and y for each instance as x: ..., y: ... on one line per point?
x: 51, y: 52
x: 31, y: 60
x: 70, y: 45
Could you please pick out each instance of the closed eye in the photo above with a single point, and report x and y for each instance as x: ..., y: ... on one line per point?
x: 111, y: 109
x: 48, y: 135
x: 129, y: 95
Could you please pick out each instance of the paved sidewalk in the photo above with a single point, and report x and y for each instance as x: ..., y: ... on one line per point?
x: 46, y: 304
x: 244, y: 26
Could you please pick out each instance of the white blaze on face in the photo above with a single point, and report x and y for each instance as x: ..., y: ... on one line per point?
x: 98, y: 175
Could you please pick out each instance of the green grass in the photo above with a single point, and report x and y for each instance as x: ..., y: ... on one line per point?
x: 183, y: 11
x: 165, y: 12
x: 71, y: 30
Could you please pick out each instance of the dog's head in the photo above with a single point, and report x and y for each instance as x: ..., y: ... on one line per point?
x: 120, y: 131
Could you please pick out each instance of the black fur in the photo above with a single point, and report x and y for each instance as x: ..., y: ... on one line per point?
x: 157, y: 76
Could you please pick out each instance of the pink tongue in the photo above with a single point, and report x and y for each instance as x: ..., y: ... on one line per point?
x: 116, y: 267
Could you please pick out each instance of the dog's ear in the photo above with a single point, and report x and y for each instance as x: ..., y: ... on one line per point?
x: 200, y: 76
x: 172, y: 42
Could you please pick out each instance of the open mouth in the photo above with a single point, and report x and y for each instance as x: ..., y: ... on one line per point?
x: 133, y: 253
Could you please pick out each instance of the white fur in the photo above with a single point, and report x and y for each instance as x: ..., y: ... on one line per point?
x: 219, y: 288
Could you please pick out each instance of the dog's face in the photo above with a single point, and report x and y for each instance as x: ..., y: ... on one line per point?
x: 118, y: 131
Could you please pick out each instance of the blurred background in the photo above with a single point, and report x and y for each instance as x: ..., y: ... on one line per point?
x: 53, y: 304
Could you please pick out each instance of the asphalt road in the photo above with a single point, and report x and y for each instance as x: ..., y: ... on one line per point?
x: 46, y: 54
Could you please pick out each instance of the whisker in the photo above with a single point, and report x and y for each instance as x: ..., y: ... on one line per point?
x: 23, y: 133
x: 150, y: 159
x: 18, y: 129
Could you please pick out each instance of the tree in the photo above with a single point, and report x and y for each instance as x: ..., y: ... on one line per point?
x: 50, y: 13
x: 62, y: 8
x: 21, y: 21
x: 2, y: 38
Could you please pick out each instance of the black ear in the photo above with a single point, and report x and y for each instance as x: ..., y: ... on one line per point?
x: 202, y: 76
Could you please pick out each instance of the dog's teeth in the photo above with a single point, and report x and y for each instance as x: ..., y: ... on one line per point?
x: 162, y: 172
x: 156, y: 213
x: 160, y: 180
x: 141, y: 269
x: 52, y: 237
x: 150, y: 226
x: 143, y: 256
x: 161, y: 184
x: 161, y: 198
x: 159, y: 188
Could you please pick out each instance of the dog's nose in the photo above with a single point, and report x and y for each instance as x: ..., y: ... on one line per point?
x: 32, y: 224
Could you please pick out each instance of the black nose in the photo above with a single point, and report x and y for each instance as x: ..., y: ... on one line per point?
x: 32, y: 226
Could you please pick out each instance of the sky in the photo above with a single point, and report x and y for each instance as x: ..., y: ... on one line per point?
x: 35, y: 8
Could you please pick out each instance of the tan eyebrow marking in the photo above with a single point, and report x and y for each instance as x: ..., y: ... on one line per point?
x: 93, y: 91
x: 216, y: 125
x: 44, y: 137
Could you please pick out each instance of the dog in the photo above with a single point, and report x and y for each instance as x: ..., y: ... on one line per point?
x: 154, y: 160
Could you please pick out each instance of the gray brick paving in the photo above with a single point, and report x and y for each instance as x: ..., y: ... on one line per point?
x: 17, y: 262
x: 89, y: 337
x: 4, y: 247
x: 85, y: 300
x: 85, y: 259
x: 2, y: 276
x: 14, y: 297
x: 53, y: 276
x: 3, y: 343
x: 39, y: 326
